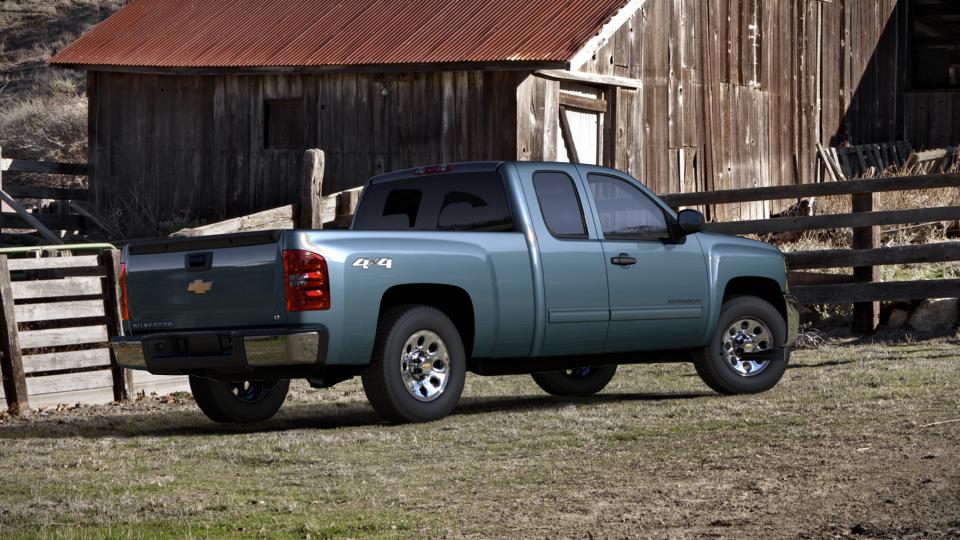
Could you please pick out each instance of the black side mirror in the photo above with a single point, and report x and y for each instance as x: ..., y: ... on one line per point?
x: 690, y: 221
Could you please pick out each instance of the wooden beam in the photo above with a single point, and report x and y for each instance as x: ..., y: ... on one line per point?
x: 866, y: 315
x: 338, y: 208
x: 122, y: 378
x: 845, y: 258
x: 11, y: 361
x: 34, y: 223
x: 46, y: 263
x: 95, y: 220
x: 817, y: 278
x: 833, y: 169
x: 275, y: 218
x: 572, y: 101
x: 43, y: 167
x: 52, y: 222
x: 44, y: 192
x: 567, y: 134
x: 58, y: 311
x: 850, y: 293
x: 838, y: 221
x: 59, y: 361
x: 54, y: 288
x: 823, y: 189
x: 56, y: 337
x: 590, y: 78
x: 311, y: 190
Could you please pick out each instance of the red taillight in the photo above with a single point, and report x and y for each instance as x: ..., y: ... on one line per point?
x: 305, y: 280
x: 433, y: 169
x: 124, y: 308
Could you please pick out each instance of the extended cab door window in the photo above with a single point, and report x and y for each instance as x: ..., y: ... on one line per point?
x: 658, y: 289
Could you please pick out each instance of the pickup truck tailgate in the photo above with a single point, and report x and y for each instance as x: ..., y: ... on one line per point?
x: 232, y: 281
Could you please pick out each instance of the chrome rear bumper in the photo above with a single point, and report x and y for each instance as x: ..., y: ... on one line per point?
x: 218, y: 351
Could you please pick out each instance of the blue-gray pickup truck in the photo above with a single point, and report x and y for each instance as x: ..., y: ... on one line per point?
x: 557, y: 270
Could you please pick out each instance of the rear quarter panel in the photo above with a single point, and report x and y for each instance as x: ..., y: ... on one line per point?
x: 493, y: 269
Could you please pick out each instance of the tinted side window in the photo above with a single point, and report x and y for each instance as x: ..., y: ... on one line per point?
x: 445, y: 202
x: 625, y: 211
x: 559, y: 204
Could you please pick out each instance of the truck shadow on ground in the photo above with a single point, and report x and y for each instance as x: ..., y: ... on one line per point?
x: 186, y: 421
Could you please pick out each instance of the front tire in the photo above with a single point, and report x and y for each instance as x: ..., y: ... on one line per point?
x: 240, y: 402
x: 746, y: 324
x: 579, y: 382
x: 418, y: 367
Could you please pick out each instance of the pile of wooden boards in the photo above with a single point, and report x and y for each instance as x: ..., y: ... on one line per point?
x: 896, y: 158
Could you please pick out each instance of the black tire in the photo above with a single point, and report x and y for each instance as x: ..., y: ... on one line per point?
x: 720, y: 374
x: 575, y: 382
x: 241, y: 402
x: 384, y: 379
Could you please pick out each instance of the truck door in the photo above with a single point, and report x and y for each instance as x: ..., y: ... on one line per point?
x: 572, y: 264
x: 658, y: 289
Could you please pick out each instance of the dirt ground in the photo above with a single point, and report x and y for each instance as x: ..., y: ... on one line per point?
x: 856, y: 442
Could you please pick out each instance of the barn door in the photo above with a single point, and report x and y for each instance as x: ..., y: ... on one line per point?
x: 583, y: 115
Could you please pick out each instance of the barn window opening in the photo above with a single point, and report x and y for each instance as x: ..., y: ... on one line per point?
x: 583, y: 111
x: 284, y: 124
x: 934, y: 44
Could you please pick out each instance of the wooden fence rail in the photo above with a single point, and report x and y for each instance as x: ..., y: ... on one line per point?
x: 862, y: 289
x: 71, y: 217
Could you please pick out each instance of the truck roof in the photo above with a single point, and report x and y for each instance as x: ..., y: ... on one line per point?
x: 440, y: 168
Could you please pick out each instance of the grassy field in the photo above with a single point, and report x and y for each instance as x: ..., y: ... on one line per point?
x: 843, y: 447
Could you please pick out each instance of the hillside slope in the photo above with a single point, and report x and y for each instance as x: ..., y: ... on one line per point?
x: 43, y: 110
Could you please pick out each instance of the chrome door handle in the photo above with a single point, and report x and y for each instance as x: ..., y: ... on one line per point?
x: 623, y: 259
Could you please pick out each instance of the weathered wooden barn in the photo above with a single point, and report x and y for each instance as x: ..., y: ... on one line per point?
x: 202, y: 110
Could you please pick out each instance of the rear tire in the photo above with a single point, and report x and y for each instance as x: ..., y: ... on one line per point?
x: 575, y: 382
x: 418, y: 367
x: 241, y: 402
x: 745, y: 321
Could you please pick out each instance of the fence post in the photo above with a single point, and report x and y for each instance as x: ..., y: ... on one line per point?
x: 122, y: 378
x: 866, y: 315
x: 11, y: 361
x: 311, y: 190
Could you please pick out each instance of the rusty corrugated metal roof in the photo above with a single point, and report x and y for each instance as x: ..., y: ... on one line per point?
x: 303, y: 33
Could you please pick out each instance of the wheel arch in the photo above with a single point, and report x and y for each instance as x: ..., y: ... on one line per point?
x: 762, y: 287
x: 453, y: 301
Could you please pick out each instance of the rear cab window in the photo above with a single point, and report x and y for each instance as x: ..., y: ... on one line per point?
x: 468, y: 201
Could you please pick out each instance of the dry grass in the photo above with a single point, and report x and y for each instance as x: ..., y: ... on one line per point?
x: 43, y: 110
x: 840, y: 448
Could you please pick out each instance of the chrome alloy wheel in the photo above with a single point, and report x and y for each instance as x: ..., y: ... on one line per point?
x: 746, y: 335
x: 424, y: 365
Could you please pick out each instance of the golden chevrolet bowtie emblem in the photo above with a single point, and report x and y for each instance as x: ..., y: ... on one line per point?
x: 199, y: 286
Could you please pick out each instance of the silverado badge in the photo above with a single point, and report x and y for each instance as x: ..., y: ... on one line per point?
x: 199, y: 286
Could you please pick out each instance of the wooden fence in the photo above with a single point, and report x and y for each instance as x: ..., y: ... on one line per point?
x: 863, y: 288
x: 56, y: 319
x: 70, y: 215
